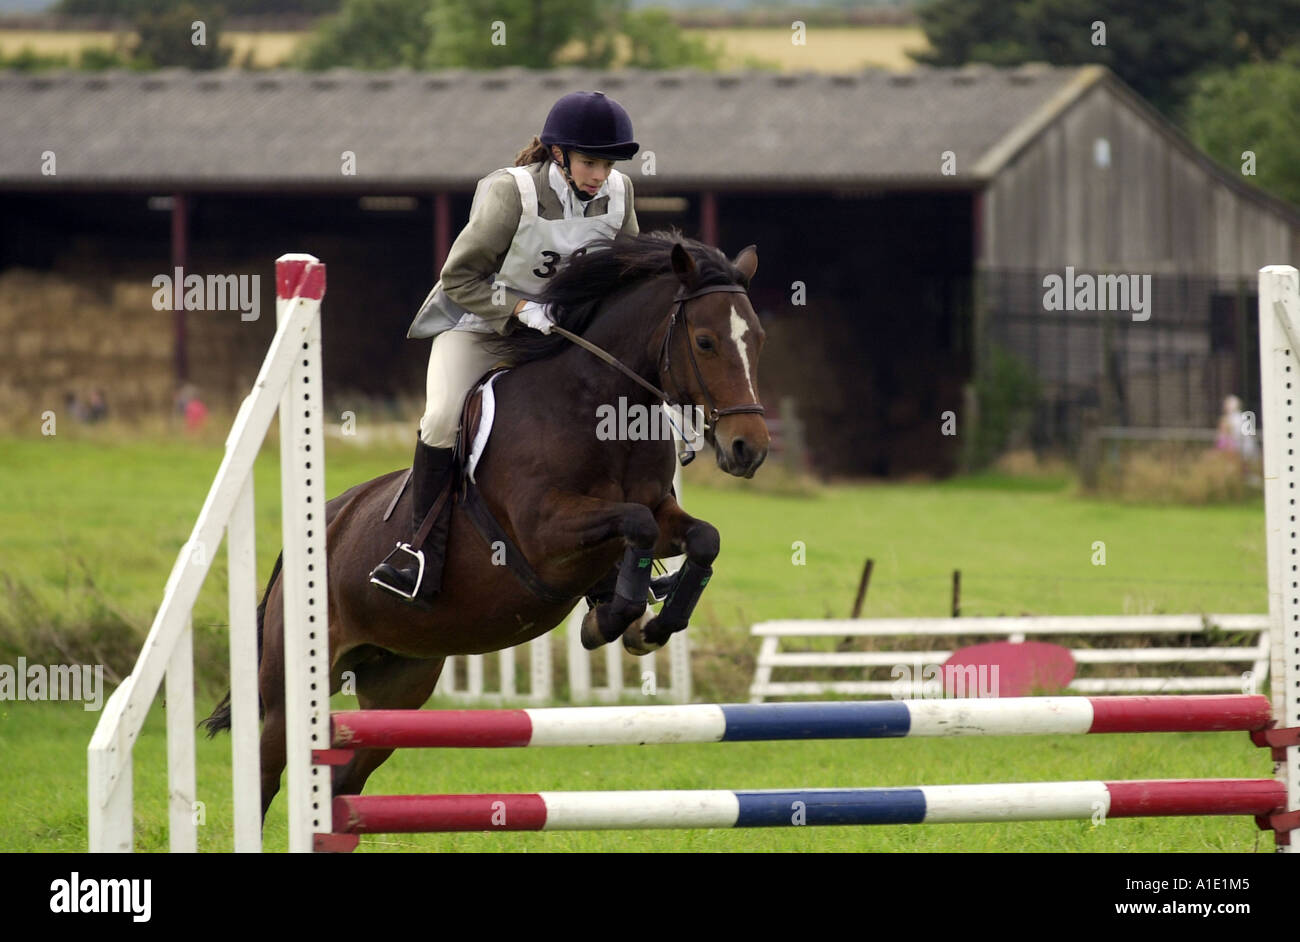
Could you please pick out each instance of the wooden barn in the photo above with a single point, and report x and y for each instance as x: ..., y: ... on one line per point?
x: 905, y: 223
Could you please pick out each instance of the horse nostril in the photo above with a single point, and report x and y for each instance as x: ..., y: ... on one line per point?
x: 740, y: 449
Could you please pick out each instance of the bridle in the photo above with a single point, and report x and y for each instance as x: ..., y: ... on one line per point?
x: 665, y: 362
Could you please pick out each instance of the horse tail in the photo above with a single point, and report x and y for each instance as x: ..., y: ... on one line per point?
x: 220, y: 718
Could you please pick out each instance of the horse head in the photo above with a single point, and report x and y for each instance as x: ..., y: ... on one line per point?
x: 710, y: 358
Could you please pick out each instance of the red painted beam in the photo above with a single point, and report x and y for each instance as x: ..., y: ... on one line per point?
x: 1179, y: 714
x: 415, y: 729
x: 1261, y: 796
x: 417, y: 814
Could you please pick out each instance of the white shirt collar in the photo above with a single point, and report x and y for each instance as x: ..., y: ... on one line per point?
x: 573, y: 207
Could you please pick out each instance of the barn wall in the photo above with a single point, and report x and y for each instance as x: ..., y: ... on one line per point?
x: 1156, y: 210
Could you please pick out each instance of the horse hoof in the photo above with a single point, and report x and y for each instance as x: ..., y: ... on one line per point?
x: 634, y: 638
x: 591, y: 636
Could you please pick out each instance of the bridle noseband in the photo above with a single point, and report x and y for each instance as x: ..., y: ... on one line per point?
x: 665, y: 362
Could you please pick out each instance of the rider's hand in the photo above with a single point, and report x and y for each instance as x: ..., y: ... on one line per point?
x: 536, y: 316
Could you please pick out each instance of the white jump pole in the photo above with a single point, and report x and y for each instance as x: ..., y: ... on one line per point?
x: 1279, y: 373
x: 299, y: 279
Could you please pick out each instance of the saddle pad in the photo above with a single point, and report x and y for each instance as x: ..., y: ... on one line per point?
x: 487, y: 412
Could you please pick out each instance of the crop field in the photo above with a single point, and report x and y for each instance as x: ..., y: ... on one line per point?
x: 830, y: 49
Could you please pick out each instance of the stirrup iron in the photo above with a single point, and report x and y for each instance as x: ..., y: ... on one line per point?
x: 419, y: 578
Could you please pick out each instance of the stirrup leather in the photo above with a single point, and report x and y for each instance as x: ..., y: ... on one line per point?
x: 419, y: 579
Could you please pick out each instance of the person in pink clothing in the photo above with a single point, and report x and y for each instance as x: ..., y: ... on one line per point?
x: 196, y: 415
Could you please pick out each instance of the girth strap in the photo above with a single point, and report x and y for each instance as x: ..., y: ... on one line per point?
x: 491, y: 532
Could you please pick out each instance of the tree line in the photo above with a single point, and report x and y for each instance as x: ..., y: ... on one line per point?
x: 380, y: 34
x: 1227, y: 72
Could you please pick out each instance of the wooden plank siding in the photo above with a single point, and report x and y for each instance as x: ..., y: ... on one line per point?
x: 1157, y: 209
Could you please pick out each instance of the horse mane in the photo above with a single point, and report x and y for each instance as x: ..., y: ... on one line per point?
x: 585, y: 281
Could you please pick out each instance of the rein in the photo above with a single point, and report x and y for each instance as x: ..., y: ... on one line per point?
x: 665, y: 363
x: 608, y: 358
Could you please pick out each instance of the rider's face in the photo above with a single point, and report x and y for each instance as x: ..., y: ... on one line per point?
x: 588, y: 172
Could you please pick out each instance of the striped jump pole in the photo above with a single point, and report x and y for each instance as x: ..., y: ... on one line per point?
x: 644, y: 725
x: 882, y: 719
x: 929, y: 804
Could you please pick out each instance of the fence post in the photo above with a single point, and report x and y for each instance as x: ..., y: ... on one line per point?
x: 1090, y: 448
x: 301, y: 279
x: 182, y: 832
x: 245, y: 761
x: 794, y: 454
x: 289, y: 381
x: 1279, y: 364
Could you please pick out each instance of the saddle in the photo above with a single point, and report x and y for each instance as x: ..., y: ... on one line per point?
x: 462, y: 489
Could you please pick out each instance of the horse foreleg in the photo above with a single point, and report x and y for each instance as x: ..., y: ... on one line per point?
x: 576, y: 520
x: 700, y: 541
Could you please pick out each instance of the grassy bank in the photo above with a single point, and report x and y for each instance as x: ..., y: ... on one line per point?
x: 89, y: 530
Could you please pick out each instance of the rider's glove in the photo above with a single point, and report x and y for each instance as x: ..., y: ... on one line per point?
x: 536, y: 316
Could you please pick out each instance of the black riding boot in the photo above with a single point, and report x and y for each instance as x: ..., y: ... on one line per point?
x: 429, y: 473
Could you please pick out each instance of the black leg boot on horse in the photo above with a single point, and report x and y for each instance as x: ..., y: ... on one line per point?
x: 420, y: 579
x: 603, y: 591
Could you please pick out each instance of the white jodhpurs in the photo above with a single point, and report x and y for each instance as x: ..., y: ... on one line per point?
x: 457, y: 359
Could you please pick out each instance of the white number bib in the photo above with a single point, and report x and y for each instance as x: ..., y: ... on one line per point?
x: 541, y: 246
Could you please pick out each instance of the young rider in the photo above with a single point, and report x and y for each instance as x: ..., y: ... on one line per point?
x: 524, y: 222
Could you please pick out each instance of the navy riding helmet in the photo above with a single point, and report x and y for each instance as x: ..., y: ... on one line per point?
x: 592, y: 123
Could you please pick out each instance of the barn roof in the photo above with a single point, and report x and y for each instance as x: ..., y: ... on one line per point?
x: 281, y: 129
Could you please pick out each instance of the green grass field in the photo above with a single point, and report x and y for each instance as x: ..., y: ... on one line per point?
x: 89, y: 528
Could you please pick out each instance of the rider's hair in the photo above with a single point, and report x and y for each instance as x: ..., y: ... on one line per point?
x: 534, y: 152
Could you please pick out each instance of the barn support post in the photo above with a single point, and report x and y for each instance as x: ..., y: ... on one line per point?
x: 180, y: 256
x: 709, y: 217
x: 441, y: 231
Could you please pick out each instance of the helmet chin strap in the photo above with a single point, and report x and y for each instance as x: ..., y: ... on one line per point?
x: 585, y: 197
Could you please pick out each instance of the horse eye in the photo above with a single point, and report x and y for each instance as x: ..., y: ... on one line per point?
x: 704, y: 343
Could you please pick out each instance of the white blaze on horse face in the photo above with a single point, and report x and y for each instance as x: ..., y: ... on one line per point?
x: 739, y: 331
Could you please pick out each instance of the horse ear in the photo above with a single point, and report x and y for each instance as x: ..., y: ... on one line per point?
x: 683, y: 265
x: 747, y: 261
